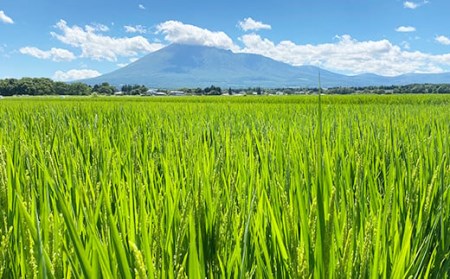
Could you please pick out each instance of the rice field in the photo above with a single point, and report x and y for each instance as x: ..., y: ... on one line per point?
x: 226, y: 187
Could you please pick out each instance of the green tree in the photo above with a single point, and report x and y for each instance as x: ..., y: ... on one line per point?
x: 8, y: 87
x: 79, y: 88
x: 61, y: 88
x: 104, y: 88
x: 212, y: 90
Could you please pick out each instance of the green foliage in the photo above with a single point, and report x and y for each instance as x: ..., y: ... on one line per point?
x: 212, y: 90
x: 26, y: 86
x: 226, y: 187
x: 397, y: 89
x: 133, y: 89
x: 78, y: 88
x: 41, y: 86
x: 104, y: 88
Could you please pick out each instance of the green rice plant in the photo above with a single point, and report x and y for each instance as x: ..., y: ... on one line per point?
x: 237, y: 187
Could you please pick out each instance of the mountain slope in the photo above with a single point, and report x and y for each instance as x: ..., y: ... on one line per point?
x: 198, y: 66
x: 177, y: 66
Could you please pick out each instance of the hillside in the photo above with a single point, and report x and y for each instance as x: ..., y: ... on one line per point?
x: 177, y: 66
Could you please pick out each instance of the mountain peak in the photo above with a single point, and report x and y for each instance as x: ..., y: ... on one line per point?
x: 190, y: 65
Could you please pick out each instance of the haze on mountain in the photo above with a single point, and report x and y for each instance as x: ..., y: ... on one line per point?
x: 191, y: 66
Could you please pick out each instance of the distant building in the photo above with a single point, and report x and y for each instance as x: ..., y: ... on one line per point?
x: 177, y: 93
x: 154, y: 92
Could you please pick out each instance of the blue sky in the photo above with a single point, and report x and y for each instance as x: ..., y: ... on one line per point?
x: 72, y: 39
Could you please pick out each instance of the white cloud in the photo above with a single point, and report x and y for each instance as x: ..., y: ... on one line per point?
x: 142, y: 7
x: 345, y: 54
x: 100, y: 47
x: 135, y: 29
x: 133, y: 59
x: 178, y: 32
x: 410, y: 5
x: 405, y: 29
x: 250, y: 24
x: 443, y: 40
x: 96, y: 27
x: 75, y: 75
x: 406, y: 45
x: 414, y: 5
x: 5, y: 19
x: 55, y: 54
x: 349, y: 56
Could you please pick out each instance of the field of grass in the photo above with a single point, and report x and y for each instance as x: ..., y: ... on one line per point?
x: 237, y: 187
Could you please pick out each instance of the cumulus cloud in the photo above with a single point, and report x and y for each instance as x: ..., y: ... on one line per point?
x: 5, y: 19
x: 55, y: 54
x: 443, y: 40
x: 99, y: 46
x: 348, y: 55
x: 178, y: 32
x: 345, y: 54
x: 249, y: 24
x: 135, y: 29
x: 405, y: 29
x: 142, y: 7
x: 75, y: 75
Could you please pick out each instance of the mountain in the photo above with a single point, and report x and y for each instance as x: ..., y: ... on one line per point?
x: 177, y: 66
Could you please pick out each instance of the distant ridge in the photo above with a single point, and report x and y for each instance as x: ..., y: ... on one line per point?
x: 177, y: 66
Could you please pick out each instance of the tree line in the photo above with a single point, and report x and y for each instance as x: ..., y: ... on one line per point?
x: 394, y: 89
x: 46, y: 86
